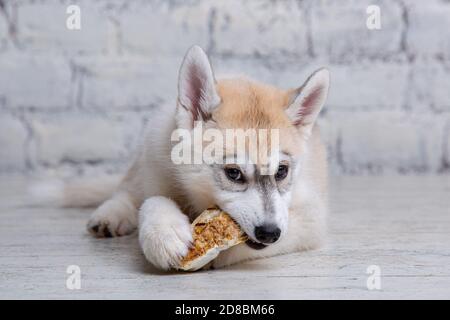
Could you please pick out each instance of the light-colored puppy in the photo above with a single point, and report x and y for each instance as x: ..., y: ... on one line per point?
x: 281, y: 213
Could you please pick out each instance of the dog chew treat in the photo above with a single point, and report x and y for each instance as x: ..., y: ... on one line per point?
x: 213, y: 231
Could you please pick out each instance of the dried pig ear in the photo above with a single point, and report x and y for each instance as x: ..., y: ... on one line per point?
x: 214, y: 231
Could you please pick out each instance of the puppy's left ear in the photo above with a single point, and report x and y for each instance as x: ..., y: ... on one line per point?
x: 308, y: 100
x: 197, y: 95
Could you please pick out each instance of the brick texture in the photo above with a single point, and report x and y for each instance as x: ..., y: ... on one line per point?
x: 78, y: 99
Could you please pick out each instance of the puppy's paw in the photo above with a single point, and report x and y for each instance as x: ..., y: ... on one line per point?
x: 107, y: 228
x: 112, y: 222
x: 165, y: 246
x: 165, y: 233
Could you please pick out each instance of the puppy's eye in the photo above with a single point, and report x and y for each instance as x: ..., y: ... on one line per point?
x: 234, y: 175
x: 282, y: 172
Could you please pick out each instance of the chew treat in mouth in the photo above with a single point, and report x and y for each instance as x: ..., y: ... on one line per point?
x: 213, y: 231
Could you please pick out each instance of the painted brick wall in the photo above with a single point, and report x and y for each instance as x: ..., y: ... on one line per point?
x: 76, y: 100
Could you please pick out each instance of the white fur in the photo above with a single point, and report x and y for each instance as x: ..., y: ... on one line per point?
x: 47, y: 192
x: 84, y: 192
x: 115, y: 217
x: 165, y: 233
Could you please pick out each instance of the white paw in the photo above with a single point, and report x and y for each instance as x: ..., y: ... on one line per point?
x: 165, y: 233
x: 165, y: 246
x: 110, y: 226
x: 112, y: 219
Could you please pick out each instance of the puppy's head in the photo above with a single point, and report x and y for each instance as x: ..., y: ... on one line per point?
x: 253, y: 187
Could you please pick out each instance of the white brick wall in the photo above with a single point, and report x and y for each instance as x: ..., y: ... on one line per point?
x: 368, y: 85
x: 264, y: 28
x: 120, y: 83
x: 34, y: 81
x: 77, y: 138
x: 339, y: 30
x: 76, y: 101
x: 13, y: 136
x: 156, y: 28
x: 382, y: 141
x: 430, y: 87
x: 41, y: 29
x: 427, y: 35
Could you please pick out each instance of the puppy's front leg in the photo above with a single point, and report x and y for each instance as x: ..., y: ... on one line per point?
x: 165, y: 233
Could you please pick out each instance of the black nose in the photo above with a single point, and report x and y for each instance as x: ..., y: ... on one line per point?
x: 267, y: 233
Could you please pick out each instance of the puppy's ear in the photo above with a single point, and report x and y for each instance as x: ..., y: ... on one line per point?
x: 308, y: 100
x: 197, y: 96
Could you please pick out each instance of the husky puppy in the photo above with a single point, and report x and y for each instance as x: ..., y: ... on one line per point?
x: 281, y: 212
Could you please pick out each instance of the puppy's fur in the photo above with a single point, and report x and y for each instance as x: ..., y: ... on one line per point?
x: 161, y: 198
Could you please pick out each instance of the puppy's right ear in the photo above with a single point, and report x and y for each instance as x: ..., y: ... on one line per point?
x: 197, y: 95
x: 308, y: 100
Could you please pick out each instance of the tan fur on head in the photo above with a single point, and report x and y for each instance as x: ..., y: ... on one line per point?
x: 249, y: 104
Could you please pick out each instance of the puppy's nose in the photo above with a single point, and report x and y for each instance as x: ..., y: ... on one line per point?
x: 267, y: 233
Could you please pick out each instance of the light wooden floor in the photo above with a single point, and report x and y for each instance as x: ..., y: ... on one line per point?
x: 400, y: 224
